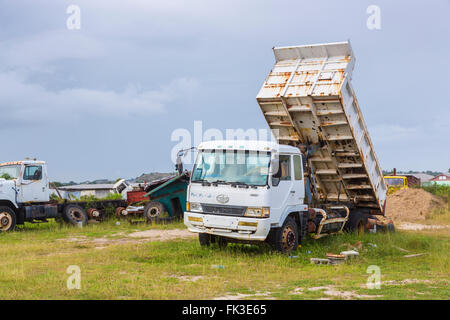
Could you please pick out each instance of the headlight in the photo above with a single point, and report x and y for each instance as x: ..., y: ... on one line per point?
x: 257, y: 212
x: 195, y: 207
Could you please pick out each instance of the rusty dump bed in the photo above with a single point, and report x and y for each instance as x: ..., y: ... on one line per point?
x: 307, y: 98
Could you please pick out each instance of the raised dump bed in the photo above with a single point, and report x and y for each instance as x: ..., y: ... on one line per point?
x: 308, y: 98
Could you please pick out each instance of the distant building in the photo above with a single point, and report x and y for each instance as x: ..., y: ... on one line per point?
x: 417, y: 178
x: 441, y: 179
x: 97, y: 190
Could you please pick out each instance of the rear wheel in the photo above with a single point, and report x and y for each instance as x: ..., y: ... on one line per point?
x: 7, y: 219
x: 74, y: 214
x: 285, y: 239
x: 356, y: 222
x: 153, y: 210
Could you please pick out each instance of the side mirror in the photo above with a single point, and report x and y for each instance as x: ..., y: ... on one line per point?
x: 275, y: 171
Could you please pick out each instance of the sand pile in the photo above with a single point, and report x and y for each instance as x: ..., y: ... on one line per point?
x: 411, y: 204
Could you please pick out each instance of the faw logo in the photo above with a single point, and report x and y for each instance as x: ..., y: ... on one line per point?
x: 222, y: 198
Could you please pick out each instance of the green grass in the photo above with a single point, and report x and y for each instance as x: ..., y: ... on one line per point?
x: 35, y: 259
x: 440, y: 191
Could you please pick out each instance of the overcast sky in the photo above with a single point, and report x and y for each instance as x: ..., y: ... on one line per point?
x: 104, y: 100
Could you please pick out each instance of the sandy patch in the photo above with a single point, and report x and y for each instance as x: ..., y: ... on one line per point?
x: 241, y: 296
x: 135, y: 237
x: 187, y: 278
x: 346, y: 295
x: 297, y: 291
x: 418, y: 227
x: 163, y: 235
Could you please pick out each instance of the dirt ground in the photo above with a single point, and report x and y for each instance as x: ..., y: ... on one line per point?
x: 411, y: 205
x: 135, y: 237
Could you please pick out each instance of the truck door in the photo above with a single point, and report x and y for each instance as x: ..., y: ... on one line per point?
x: 282, y: 186
x: 34, y: 184
x: 298, y: 182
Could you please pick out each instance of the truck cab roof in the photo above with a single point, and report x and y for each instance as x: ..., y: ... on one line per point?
x: 252, y: 145
x: 25, y: 162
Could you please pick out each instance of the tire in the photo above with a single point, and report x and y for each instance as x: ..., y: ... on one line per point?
x: 221, y: 241
x: 204, y: 239
x: 153, y: 209
x: 74, y: 214
x: 7, y: 219
x: 356, y: 222
x: 285, y: 239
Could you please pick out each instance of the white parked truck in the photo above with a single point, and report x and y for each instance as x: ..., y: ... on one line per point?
x: 255, y: 191
x: 25, y: 197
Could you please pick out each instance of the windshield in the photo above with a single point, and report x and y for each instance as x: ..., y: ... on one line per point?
x: 232, y: 166
x: 394, y: 181
x: 10, y: 172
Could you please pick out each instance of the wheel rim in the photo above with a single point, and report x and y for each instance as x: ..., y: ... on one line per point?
x: 5, y: 221
x: 76, y: 214
x: 288, y: 238
x: 153, y: 212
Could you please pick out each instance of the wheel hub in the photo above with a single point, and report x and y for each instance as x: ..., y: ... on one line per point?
x: 5, y: 220
x: 154, y: 212
x: 288, y: 238
x: 76, y: 215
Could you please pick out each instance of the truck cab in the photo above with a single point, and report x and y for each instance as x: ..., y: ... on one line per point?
x: 249, y: 191
x: 24, y: 182
x: 395, y: 183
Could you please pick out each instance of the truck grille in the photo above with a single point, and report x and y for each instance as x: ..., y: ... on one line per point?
x: 223, y: 210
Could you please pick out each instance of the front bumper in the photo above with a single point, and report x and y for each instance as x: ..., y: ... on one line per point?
x: 241, y: 228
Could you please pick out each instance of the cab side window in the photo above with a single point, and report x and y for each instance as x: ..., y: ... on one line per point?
x: 32, y: 173
x: 284, y: 171
x: 298, y: 168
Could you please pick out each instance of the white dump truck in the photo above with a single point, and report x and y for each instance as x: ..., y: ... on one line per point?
x: 25, y: 197
x: 244, y: 191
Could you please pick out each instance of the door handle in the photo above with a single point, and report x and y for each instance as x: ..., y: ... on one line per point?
x: 293, y: 191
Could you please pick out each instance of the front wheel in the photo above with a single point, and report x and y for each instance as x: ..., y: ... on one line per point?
x: 7, y: 219
x: 285, y: 239
x: 204, y: 239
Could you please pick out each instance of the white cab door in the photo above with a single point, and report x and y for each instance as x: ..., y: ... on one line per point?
x: 282, y: 187
x: 298, y: 181
x: 34, y: 184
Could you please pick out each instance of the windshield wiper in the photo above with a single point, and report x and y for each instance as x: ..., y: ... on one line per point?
x: 202, y: 181
x: 220, y: 182
x: 242, y: 184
